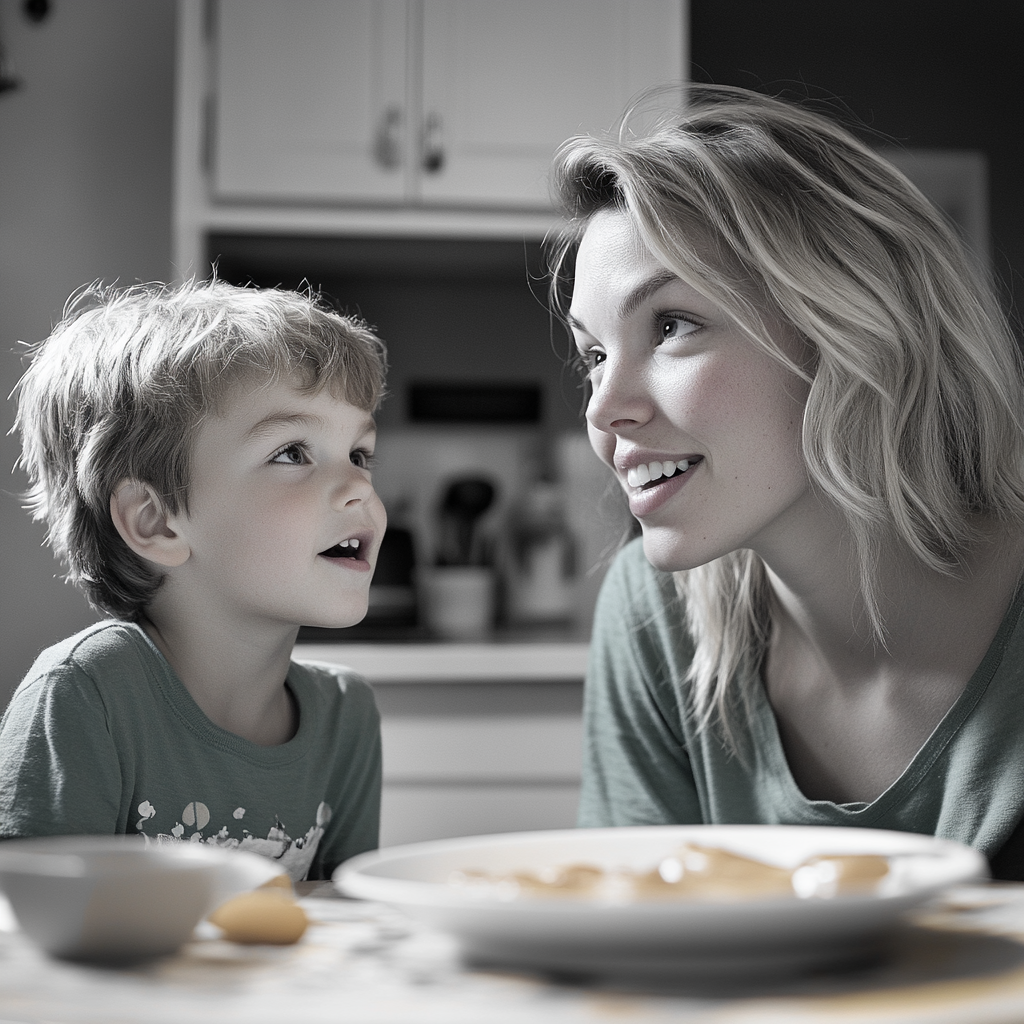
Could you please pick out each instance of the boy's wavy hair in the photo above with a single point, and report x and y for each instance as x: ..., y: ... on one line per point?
x: 912, y: 427
x: 120, y: 387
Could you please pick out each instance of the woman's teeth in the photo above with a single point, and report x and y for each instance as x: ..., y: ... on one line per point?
x: 640, y: 475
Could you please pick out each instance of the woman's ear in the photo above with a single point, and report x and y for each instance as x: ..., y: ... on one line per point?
x: 143, y: 523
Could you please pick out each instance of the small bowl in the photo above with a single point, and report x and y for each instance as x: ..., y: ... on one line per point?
x: 120, y: 898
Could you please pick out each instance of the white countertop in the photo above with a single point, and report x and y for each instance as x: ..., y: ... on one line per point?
x: 455, y: 662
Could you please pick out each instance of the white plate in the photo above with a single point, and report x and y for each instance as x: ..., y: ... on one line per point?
x: 677, y: 937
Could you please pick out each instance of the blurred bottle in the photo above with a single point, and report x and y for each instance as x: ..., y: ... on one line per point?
x: 392, y: 601
x: 541, y: 573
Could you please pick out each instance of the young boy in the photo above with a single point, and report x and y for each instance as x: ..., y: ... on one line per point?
x: 202, y: 456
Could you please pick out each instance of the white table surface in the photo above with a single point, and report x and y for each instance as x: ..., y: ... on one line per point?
x: 361, y: 962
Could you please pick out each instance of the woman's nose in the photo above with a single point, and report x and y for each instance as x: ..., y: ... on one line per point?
x: 619, y: 399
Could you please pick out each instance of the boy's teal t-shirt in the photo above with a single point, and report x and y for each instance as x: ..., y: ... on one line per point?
x: 103, y: 738
x: 646, y: 762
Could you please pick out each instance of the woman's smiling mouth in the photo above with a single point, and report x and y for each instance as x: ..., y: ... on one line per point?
x: 646, y: 497
x: 651, y: 473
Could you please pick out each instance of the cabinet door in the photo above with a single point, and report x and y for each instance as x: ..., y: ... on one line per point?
x: 310, y: 100
x: 504, y: 84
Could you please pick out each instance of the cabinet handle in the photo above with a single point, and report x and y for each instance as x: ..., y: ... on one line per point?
x: 432, y: 148
x: 387, y: 146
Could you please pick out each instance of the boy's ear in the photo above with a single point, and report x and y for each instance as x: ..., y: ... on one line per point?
x: 142, y: 522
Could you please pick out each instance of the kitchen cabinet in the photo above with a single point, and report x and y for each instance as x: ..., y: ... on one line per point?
x: 309, y: 100
x: 504, y: 84
x: 436, y: 101
x: 477, y: 738
x: 400, y: 117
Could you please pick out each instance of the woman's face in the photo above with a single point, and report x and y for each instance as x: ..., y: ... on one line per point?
x: 701, y: 426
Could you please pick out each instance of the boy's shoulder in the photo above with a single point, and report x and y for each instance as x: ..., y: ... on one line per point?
x: 337, y: 690
x: 110, y: 668
x: 328, y: 676
x: 101, y: 651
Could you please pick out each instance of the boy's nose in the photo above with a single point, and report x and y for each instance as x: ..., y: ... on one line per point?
x: 351, y: 487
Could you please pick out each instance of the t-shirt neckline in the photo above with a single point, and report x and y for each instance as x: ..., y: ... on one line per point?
x: 768, y: 740
x: 183, y: 704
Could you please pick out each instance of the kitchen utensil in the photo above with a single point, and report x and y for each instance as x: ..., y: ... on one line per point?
x: 541, y: 563
x: 465, y: 501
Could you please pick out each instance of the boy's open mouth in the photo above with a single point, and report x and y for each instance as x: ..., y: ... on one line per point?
x: 346, y: 549
x: 651, y: 474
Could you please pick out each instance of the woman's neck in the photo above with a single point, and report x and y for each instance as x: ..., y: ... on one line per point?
x: 854, y: 709
x: 819, y: 600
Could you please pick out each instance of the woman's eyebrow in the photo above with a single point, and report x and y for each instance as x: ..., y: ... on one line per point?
x: 633, y: 300
x: 643, y: 291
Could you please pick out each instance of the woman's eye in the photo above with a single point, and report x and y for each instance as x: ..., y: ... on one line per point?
x: 589, y: 360
x: 676, y: 327
x: 362, y: 458
x: 292, y: 455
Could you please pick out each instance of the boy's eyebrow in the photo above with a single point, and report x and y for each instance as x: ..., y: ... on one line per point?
x: 273, y: 420
x: 278, y: 419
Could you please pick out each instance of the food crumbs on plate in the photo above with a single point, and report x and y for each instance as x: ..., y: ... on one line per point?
x: 267, y: 915
x: 693, y: 871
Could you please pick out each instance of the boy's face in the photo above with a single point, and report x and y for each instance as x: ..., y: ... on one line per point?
x: 284, y: 524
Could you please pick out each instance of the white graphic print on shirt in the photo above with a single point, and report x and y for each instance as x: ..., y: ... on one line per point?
x: 293, y: 855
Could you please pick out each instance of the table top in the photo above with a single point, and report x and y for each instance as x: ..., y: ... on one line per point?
x: 961, y: 959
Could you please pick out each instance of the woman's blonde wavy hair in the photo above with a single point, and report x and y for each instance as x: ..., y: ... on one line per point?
x: 912, y: 426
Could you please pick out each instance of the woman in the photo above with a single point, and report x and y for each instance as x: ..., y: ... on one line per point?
x: 813, y: 403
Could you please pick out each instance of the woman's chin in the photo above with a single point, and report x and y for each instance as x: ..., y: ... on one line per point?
x: 667, y: 551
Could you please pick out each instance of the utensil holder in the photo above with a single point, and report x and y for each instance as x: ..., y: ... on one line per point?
x: 457, y: 602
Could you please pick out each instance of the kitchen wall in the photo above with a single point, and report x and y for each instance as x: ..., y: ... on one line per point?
x: 85, y: 168
x: 941, y: 74
x: 85, y: 193
x: 449, y: 309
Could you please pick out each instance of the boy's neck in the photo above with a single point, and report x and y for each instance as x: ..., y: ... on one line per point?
x: 236, y: 677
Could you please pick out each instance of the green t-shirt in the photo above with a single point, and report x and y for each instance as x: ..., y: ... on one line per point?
x: 646, y: 763
x: 101, y: 737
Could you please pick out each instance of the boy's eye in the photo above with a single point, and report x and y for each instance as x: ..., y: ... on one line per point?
x: 292, y: 455
x: 361, y: 457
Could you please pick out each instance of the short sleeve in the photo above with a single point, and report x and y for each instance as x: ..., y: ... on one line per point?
x: 59, y: 768
x: 636, y: 770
